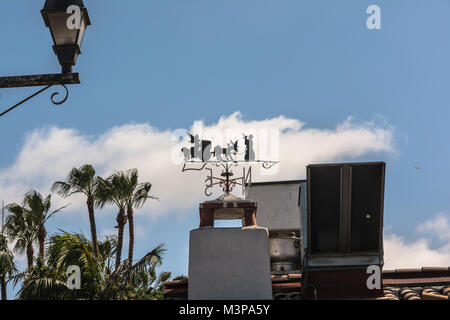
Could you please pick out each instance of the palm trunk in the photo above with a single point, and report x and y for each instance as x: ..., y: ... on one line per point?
x: 42, y: 235
x: 30, y: 253
x: 131, y: 230
x: 121, y: 221
x: 3, y: 285
x: 90, y: 205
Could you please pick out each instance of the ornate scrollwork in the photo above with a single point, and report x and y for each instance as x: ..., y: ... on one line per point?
x: 269, y: 164
x: 52, y: 98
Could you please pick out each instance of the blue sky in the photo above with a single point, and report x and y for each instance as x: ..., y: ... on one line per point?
x: 171, y: 62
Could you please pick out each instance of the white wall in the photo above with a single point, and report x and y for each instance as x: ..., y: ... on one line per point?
x: 229, y: 264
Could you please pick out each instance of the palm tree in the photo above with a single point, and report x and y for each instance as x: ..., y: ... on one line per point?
x: 7, y: 267
x: 68, y: 249
x: 26, y: 224
x: 20, y: 227
x: 81, y: 180
x: 138, y: 281
x: 112, y: 191
x: 39, y: 209
x: 136, y: 195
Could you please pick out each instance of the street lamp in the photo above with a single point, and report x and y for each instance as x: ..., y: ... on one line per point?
x: 67, y: 21
x: 67, y: 38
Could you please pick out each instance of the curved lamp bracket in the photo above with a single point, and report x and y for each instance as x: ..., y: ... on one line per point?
x: 48, y: 81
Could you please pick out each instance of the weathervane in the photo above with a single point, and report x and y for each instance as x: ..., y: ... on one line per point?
x: 201, y: 155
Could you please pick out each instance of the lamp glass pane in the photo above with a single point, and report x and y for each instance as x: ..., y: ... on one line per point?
x: 58, y: 26
x: 81, y: 31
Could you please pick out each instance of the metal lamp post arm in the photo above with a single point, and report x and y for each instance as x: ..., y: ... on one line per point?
x: 47, y: 80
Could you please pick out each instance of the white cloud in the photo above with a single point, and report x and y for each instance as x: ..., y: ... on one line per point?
x: 398, y: 253
x: 48, y: 154
x: 438, y: 226
x: 104, y: 233
x: 19, y: 259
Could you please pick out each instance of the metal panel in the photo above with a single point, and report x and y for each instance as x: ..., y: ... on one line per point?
x: 349, y: 197
x: 344, y: 260
x: 303, y: 218
x: 278, y: 204
x: 324, y: 194
x: 345, y: 207
x: 367, y: 207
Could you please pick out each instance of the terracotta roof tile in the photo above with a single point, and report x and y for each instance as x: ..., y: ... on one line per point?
x: 446, y: 291
x: 286, y: 287
x: 386, y: 298
x: 417, y: 293
x: 432, y: 296
x: 426, y: 269
x: 407, y: 270
x: 296, y: 276
x: 388, y: 271
x: 176, y: 283
x: 408, y: 294
x: 416, y: 281
x: 279, y: 277
x: 286, y: 277
x: 287, y: 296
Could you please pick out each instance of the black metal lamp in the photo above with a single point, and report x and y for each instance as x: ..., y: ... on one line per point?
x: 67, y: 28
x: 67, y: 41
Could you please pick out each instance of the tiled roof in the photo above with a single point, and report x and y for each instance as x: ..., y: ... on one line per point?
x: 417, y: 284
x: 416, y: 277
x: 417, y: 293
x: 176, y: 290
x: 401, y: 284
x: 286, y: 287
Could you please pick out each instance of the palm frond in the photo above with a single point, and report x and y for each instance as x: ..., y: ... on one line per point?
x: 62, y: 188
x: 79, y: 180
x: 7, y: 265
x: 151, y: 259
x: 46, y: 288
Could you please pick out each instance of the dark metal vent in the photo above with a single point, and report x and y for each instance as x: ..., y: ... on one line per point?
x: 345, y: 210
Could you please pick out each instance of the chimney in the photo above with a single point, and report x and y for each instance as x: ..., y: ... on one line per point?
x: 229, y: 263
